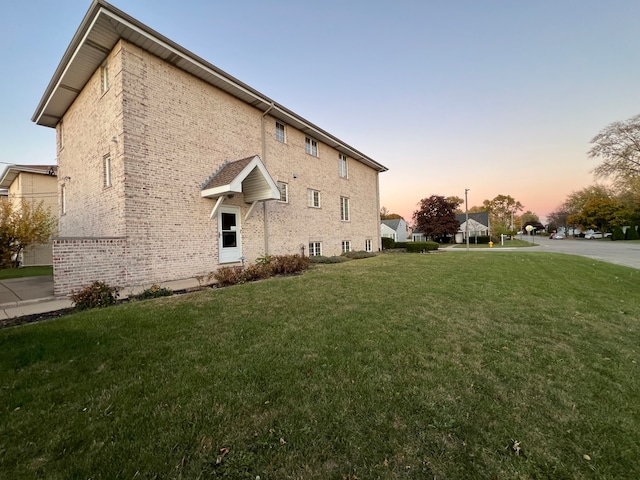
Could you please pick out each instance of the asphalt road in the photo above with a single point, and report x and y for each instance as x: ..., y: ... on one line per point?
x: 620, y: 252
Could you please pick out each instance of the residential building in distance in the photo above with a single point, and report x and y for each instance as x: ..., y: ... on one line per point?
x: 35, y: 184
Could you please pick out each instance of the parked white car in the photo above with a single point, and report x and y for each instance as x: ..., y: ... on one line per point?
x: 591, y: 235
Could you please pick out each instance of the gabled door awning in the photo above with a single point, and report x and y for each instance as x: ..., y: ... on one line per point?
x: 248, y: 176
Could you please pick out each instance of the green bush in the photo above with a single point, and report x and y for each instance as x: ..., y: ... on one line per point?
x: 323, y: 259
x: 358, y: 254
x: 388, y: 243
x: 617, y: 233
x: 154, y: 291
x: 400, y: 244
x: 96, y: 295
x: 632, y: 233
x: 480, y: 239
x: 417, y: 247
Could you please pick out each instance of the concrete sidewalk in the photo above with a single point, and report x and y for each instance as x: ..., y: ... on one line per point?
x: 20, y: 297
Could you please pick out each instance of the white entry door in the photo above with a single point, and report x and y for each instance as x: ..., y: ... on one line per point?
x: 229, y: 240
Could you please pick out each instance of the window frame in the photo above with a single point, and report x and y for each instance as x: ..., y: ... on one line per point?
x: 315, y: 249
x: 286, y: 191
x: 346, y: 246
x: 63, y: 199
x: 368, y: 245
x: 284, y: 132
x: 106, y: 169
x: 105, y: 85
x: 345, y: 214
x: 343, y: 168
x: 311, y: 146
x: 313, y: 197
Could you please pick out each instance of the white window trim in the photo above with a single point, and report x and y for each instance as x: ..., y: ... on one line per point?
x: 63, y: 199
x: 106, y: 161
x: 284, y: 132
x: 311, y: 198
x: 346, y: 246
x: 104, y: 78
x: 343, y: 167
x: 345, y: 214
x: 286, y: 192
x: 311, y: 146
x: 368, y: 245
x: 312, y: 249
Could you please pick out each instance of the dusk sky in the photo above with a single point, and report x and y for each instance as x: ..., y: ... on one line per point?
x: 501, y: 97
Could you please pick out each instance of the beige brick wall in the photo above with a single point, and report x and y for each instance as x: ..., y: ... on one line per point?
x: 173, y: 132
x: 36, y: 187
x: 81, y: 261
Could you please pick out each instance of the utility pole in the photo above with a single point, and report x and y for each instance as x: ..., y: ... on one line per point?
x: 466, y: 214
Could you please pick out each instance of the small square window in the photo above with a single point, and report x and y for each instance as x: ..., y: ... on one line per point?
x: 344, y: 209
x: 313, y: 198
x: 311, y: 146
x: 284, y: 191
x: 280, y: 132
x: 315, y: 249
x: 346, y: 246
x: 342, y: 166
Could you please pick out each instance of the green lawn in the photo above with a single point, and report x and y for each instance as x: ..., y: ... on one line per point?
x: 25, y: 272
x: 501, y: 365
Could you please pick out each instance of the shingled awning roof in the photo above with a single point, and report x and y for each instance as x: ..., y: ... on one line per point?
x: 248, y: 176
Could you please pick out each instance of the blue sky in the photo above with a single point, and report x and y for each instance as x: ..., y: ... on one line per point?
x: 501, y: 97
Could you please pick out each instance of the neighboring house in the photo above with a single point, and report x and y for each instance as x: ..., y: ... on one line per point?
x: 395, y: 228
x: 33, y: 183
x: 479, y: 224
x: 170, y: 167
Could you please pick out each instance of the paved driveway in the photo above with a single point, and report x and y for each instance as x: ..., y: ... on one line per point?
x: 28, y: 288
x: 620, y: 252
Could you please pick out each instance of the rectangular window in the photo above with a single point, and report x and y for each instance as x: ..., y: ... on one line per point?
x: 346, y: 246
x: 61, y: 134
x: 63, y: 199
x: 107, y: 170
x: 314, y: 198
x: 284, y: 191
x: 367, y: 246
x: 344, y: 209
x: 342, y: 166
x: 104, y: 77
x: 315, y: 249
x: 311, y: 146
x: 280, y: 132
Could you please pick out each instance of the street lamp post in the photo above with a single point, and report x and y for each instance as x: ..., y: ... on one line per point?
x: 466, y: 214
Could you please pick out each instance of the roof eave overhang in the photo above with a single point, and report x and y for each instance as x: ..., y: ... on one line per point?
x: 104, y: 25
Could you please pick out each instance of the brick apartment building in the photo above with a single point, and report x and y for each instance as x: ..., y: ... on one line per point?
x: 169, y: 167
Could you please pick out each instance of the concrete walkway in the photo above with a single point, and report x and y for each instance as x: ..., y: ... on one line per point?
x: 20, y: 297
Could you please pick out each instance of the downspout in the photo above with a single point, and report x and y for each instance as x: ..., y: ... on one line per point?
x: 264, y: 204
x: 378, y: 215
